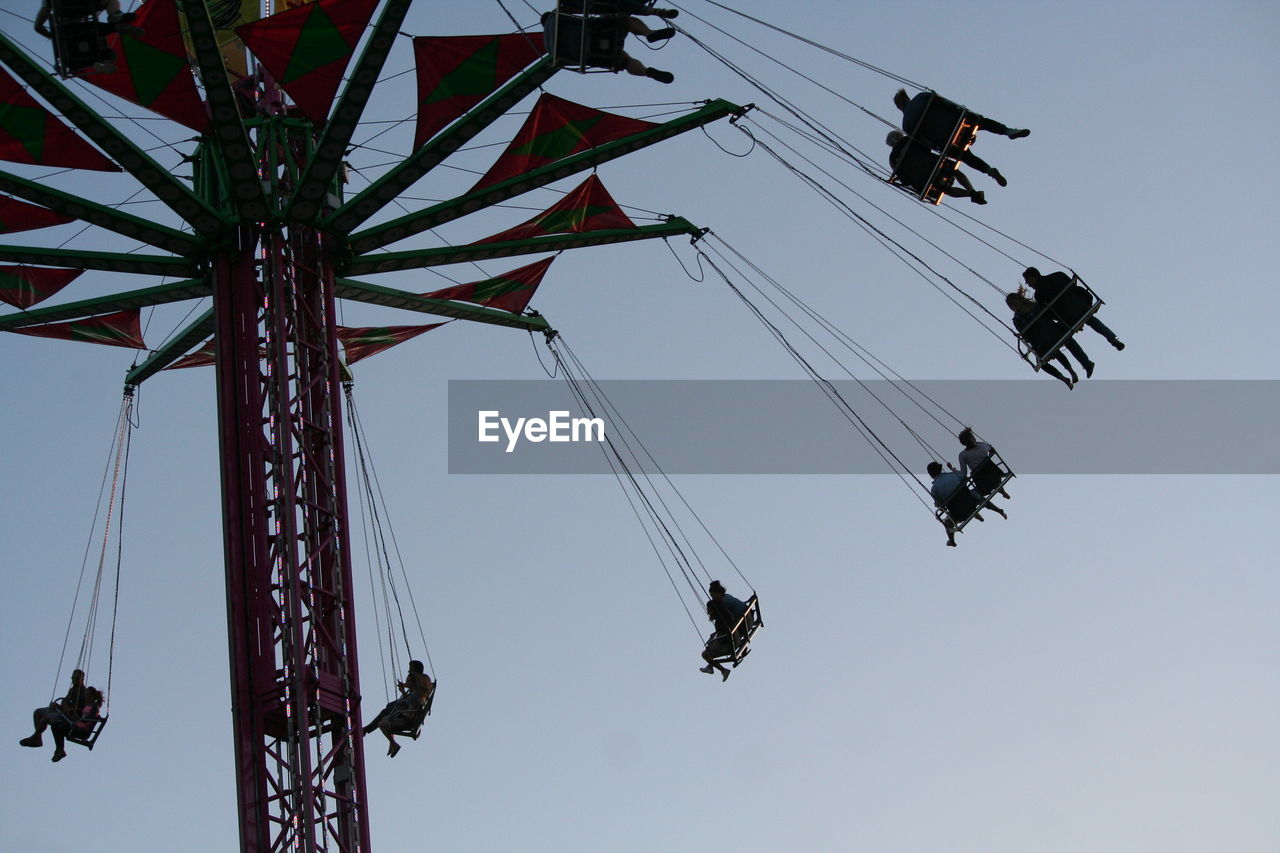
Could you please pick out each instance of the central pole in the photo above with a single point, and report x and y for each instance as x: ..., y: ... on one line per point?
x: 291, y: 625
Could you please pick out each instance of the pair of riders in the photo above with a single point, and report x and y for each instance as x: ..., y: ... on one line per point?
x: 74, y: 713
x: 1043, y: 322
x: 964, y: 493
x: 929, y: 121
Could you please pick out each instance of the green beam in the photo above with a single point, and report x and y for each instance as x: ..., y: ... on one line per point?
x: 178, y: 346
x: 317, y: 178
x: 108, y: 261
x: 81, y: 208
x: 117, y: 146
x: 374, y: 294
x: 165, y: 293
x: 387, y: 188
x: 414, y: 223
x: 227, y: 129
x: 390, y: 261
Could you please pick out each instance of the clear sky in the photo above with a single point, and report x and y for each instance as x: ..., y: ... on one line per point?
x: 1098, y: 673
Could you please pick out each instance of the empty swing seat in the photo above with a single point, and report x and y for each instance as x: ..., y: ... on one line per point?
x: 739, y: 639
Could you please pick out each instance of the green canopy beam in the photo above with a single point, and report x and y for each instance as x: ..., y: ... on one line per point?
x: 390, y: 261
x: 161, y: 295
x: 318, y: 176
x: 108, y: 261
x: 374, y: 294
x: 81, y: 208
x: 117, y: 146
x: 414, y: 223
x: 178, y: 346
x: 387, y: 188
x: 231, y: 138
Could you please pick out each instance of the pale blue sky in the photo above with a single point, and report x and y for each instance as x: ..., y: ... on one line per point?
x: 1096, y: 674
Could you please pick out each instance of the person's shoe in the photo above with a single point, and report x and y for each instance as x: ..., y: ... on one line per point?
x: 659, y: 35
x: 660, y: 76
x: 369, y: 729
x: 1088, y: 369
x: 666, y: 13
x: 724, y: 676
x: 1117, y: 343
x: 708, y: 669
x: 59, y: 755
x: 1018, y: 133
x: 999, y: 178
x: 393, y: 749
x: 978, y: 197
x: 33, y: 740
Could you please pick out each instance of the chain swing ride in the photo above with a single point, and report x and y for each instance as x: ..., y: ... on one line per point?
x: 264, y: 227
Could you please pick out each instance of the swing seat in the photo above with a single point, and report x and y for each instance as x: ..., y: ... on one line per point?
x: 1072, y: 308
x: 963, y: 133
x: 408, y: 723
x: 84, y: 730
x: 991, y: 476
x: 731, y: 649
x: 586, y: 45
x: 960, y: 509
x: 77, y: 46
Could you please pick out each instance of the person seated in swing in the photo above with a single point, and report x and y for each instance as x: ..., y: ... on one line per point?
x: 616, y: 7
x: 572, y: 38
x: 913, y: 164
x: 1042, y: 332
x: 80, y: 19
x: 61, y: 714
x: 725, y: 612
x: 1068, y: 300
x: 415, y: 693
x: 950, y: 494
x: 976, y: 462
x: 932, y: 118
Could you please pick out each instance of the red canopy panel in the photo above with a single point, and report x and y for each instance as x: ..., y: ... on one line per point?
x: 23, y: 286
x: 29, y: 133
x: 152, y: 70
x: 206, y: 355
x: 557, y: 129
x: 457, y: 72
x: 366, y: 341
x: 588, y: 207
x: 18, y: 216
x: 508, y: 292
x: 307, y: 49
x: 122, y: 329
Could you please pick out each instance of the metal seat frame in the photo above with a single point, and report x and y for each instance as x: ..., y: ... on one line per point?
x: 77, y: 36
x: 958, y: 525
x: 741, y: 635
x: 600, y: 48
x: 409, y: 723
x: 943, y: 175
x: 1029, y: 355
